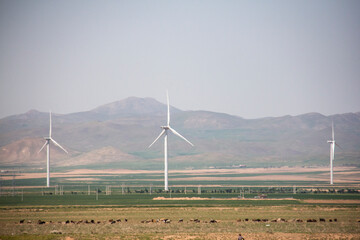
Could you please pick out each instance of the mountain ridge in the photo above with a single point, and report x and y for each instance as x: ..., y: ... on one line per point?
x: 128, y: 126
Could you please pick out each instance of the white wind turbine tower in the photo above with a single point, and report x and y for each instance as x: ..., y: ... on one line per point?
x: 47, y: 144
x: 164, y: 133
x: 332, y: 152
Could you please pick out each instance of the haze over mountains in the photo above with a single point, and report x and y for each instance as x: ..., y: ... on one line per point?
x: 117, y: 135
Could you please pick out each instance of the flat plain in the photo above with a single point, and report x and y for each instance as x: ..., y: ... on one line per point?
x: 255, y: 221
x: 131, y: 205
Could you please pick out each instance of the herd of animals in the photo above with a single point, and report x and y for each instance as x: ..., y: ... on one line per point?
x: 166, y: 220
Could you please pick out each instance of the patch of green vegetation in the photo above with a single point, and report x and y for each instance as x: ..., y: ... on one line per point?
x: 146, y: 199
x: 156, y: 179
x: 181, y: 175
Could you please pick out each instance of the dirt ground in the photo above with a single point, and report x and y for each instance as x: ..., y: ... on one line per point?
x: 237, y: 199
x: 267, y: 236
x: 227, y: 226
x: 247, y: 236
x: 219, y: 236
x: 342, y: 174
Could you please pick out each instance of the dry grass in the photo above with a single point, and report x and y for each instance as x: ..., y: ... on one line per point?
x: 227, y: 226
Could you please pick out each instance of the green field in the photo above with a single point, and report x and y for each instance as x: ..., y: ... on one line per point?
x: 236, y: 206
x: 146, y: 200
x: 254, y: 218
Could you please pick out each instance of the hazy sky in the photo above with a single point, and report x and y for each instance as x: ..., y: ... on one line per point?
x: 247, y: 58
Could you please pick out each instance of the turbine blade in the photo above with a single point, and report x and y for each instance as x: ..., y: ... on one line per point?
x: 162, y: 133
x: 332, y: 130
x: 168, y: 108
x: 42, y: 147
x: 58, y: 145
x: 339, y: 146
x: 179, y: 135
x: 50, y: 126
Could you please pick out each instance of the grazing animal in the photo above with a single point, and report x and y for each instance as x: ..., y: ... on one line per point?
x: 181, y: 220
x: 311, y: 220
x: 22, y: 221
x: 213, y: 221
x: 126, y: 220
x: 145, y: 221
x: 195, y: 220
x: 119, y: 220
x: 322, y: 219
x: 335, y: 219
x: 41, y: 222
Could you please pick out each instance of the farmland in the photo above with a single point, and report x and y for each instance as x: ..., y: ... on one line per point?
x: 345, y: 176
x: 254, y: 220
x: 261, y: 204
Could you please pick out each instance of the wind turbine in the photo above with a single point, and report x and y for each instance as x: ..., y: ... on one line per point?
x: 164, y: 133
x: 332, y: 152
x: 47, y: 144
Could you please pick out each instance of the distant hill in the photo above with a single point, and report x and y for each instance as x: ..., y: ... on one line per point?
x: 118, y: 134
x: 98, y: 157
x: 131, y: 106
x: 26, y: 152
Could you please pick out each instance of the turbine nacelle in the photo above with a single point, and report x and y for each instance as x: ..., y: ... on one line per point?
x: 164, y: 133
x: 332, y: 152
x: 47, y: 143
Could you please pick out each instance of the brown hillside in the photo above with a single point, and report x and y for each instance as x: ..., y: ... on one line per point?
x: 99, y: 156
x: 25, y: 152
